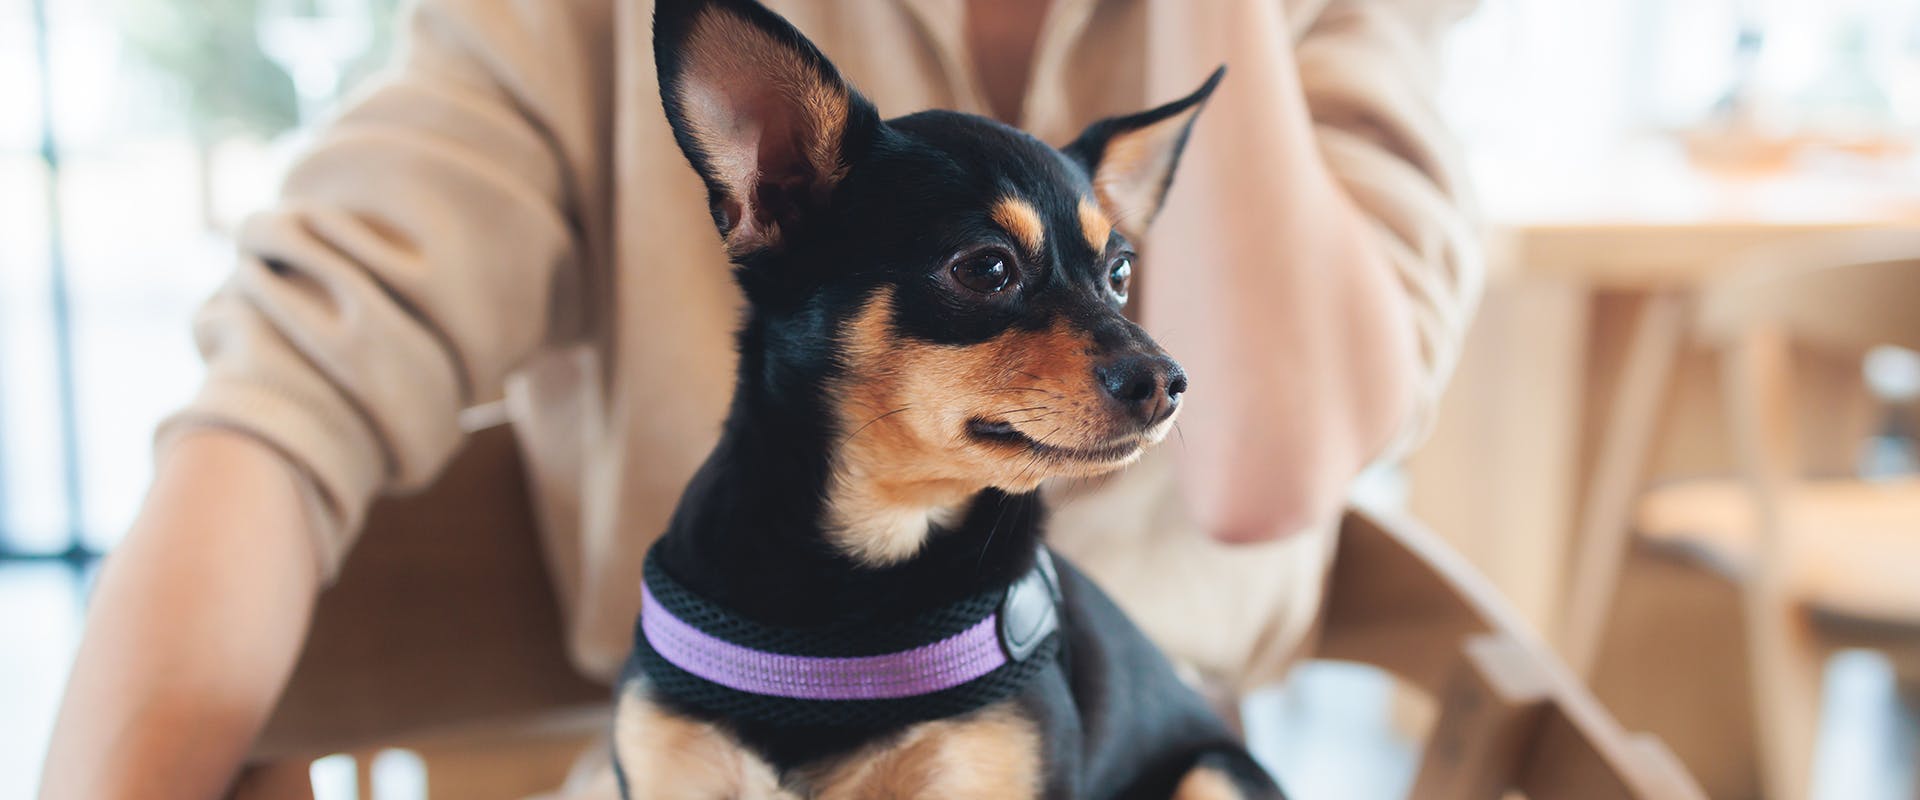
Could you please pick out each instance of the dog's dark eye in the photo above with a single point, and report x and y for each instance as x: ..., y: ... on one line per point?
x: 1120, y: 277
x: 985, y: 273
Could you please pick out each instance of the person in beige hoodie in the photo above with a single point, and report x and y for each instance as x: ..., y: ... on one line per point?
x: 505, y: 216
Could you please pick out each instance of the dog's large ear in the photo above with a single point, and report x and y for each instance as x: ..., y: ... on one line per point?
x: 766, y: 120
x: 1132, y: 158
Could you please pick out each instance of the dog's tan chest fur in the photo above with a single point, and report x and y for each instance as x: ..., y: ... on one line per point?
x: 670, y: 757
x: 991, y: 753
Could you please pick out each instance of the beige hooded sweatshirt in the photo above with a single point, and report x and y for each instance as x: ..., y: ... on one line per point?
x: 507, y: 215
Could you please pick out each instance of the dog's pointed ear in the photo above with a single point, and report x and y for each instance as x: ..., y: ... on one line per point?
x: 1131, y: 159
x: 765, y: 119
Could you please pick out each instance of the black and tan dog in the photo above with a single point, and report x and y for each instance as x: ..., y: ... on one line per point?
x: 851, y: 600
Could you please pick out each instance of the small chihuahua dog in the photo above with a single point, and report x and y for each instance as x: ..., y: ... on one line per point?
x: 852, y: 600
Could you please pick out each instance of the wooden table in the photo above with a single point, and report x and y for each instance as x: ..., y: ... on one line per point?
x: 1534, y: 460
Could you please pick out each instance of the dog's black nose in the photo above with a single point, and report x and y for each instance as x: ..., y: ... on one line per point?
x: 1147, y: 386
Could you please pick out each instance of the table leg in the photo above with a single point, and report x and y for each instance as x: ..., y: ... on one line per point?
x: 1618, y: 468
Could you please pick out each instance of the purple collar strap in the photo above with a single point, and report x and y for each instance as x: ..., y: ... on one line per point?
x: 929, y: 668
x: 976, y: 651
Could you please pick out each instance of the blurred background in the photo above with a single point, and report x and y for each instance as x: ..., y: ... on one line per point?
x: 1631, y: 156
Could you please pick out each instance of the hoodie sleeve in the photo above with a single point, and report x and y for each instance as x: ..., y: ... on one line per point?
x: 1370, y: 72
x: 433, y: 237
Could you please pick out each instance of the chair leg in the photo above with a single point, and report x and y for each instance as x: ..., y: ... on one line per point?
x: 1604, y: 535
x: 1787, y: 664
x: 1489, y: 712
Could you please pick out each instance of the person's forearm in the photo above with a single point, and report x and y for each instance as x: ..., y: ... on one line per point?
x: 1294, y: 328
x: 192, y: 631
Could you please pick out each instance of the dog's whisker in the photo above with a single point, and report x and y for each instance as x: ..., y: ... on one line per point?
x: 1126, y: 216
x: 1032, y: 461
x: 1005, y: 500
x: 1039, y: 451
x: 1043, y: 411
x: 869, y: 423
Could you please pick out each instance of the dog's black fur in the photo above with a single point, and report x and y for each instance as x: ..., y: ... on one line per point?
x: 908, y: 217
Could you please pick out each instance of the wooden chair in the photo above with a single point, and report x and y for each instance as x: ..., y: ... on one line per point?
x: 1512, y: 715
x: 442, y: 637
x: 1820, y: 563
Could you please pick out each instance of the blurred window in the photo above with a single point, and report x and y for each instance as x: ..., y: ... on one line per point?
x: 138, y: 133
x: 1544, y: 78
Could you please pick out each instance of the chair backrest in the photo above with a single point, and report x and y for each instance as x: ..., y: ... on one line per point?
x: 1842, y: 291
x: 443, y: 615
x: 1512, y: 715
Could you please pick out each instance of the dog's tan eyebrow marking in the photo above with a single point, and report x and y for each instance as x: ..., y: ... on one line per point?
x: 1094, y: 224
x: 1020, y: 219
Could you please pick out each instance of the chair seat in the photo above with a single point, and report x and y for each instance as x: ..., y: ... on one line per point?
x: 1852, y: 546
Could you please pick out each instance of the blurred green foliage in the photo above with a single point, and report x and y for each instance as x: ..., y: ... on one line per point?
x: 212, y: 48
